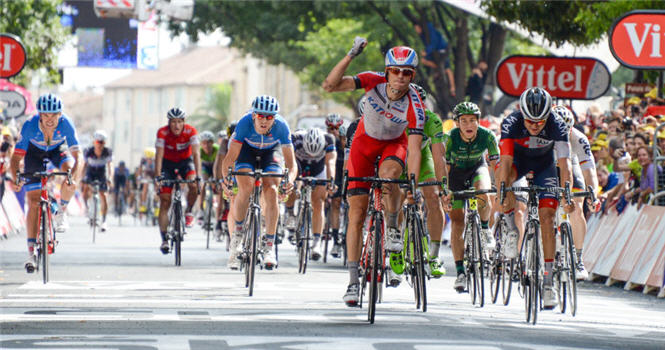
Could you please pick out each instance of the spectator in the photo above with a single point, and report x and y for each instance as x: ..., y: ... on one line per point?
x: 435, y: 44
x: 476, y: 83
x: 614, y: 126
x: 641, y: 140
x: 647, y: 180
x: 601, y: 154
x: 660, y: 139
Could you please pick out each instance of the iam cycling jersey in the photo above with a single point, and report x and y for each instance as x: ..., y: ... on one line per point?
x: 311, y: 165
x: 536, y: 153
x: 464, y: 155
x: 384, y: 119
x: 97, y: 163
x: 177, y: 147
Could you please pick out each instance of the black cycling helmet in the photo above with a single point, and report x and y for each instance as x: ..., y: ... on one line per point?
x: 536, y: 104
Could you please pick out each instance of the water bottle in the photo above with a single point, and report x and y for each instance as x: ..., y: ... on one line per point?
x: 54, y: 207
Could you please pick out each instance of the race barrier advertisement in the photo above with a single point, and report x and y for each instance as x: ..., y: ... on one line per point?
x: 628, y: 248
x: 14, y: 219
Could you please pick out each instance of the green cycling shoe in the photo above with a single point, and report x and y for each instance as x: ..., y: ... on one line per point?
x: 436, y: 269
x: 397, y: 262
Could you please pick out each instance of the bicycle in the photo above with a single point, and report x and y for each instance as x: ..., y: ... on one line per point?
x: 372, y: 260
x: 208, y: 209
x: 304, y: 219
x: 531, y: 261
x: 474, y: 260
x: 176, y: 231
x: 565, y: 261
x: 501, y: 269
x: 120, y: 204
x: 252, y: 230
x: 46, y: 239
x: 94, y: 209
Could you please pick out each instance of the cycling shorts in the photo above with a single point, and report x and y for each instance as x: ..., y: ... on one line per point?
x: 206, y: 167
x: 98, y: 174
x: 34, y: 162
x: 545, y: 176
x: 426, y: 166
x: 364, y: 152
x: 265, y: 159
x: 172, y: 170
x: 464, y: 179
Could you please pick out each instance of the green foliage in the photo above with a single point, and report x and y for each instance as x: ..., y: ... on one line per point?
x: 517, y: 45
x: 598, y: 17
x: 37, y: 23
x: 214, y: 114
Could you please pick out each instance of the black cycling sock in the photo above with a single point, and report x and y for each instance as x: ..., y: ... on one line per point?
x: 163, y: 236
x: 484, y: 224
x: 335, y: 232
x: 289, y: 210
x: 459, y: 267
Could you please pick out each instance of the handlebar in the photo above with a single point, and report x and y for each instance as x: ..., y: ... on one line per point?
x: 45, y: 174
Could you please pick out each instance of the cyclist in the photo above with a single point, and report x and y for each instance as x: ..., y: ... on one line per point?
x: 432, y: 167
x: 146, y: 174
x: 120, y: 182
x: 334, y: 125
x: 177, y: 155
x: 465, y: 152
x: 253, y: 145
x: 98, y: 166
x: 315, y: 155
x: 223, y: 208
x: 48, y: 135
x: 584, y: 173
x: 391, y: 106
x: 209, y: 150
x: 529, y: 138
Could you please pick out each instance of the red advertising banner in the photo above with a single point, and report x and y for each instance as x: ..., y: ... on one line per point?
x: 636, y: 39
x: 578, y: 78
x: 12, y: 55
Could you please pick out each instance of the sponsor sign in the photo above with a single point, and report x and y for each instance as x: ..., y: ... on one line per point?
x: 636, y: 39
x: 12, y: 55
x: 12, y: 104
x: 638, y: 88
x: 578, y: 78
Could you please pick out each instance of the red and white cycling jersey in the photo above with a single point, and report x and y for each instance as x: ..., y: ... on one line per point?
x: 177, y: 148
x: 384, y: 119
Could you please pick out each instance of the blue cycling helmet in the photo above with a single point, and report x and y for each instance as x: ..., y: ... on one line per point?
x: 49, y: 103
x: 265, y: 104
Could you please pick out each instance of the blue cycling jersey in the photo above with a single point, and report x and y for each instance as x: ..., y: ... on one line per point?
x: 245, y: 133
x: 31, y: 134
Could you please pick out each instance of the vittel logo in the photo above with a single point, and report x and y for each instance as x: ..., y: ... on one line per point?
x: 6, y: 56
x: 548, y: 77
x: 12, y: 55
x: 636, y: 39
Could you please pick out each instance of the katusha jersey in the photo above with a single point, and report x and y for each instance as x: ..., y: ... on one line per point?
x: 32, y: 136
x: 177, y: 148
x: 298, y: 138
x: 518, y: 143
x: 384, y: 119
x: 245, y: 133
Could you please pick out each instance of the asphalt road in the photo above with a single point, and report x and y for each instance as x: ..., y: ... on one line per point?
x: 122, y: 293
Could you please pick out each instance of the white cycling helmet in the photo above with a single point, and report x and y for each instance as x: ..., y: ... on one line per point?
x: 175, y: 113
x: 99, y: 135
x: 536, y: 104
x: 314, y: 142
x: 564, y: 113
x: 207, y: 136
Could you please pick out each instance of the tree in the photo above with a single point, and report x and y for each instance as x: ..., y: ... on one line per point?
x: 214, y: 114
x: 37, y: 23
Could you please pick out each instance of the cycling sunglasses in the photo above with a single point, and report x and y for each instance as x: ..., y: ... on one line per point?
x: 407, y: 72
x: 530, y: 122
x: 265, y: 116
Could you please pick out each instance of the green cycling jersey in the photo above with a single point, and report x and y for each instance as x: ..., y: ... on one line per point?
x: 432, y: 134
x: 209, y: 158
x: 463, y: 155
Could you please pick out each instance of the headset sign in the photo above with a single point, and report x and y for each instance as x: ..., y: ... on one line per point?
x: 636, y: 39
x: 12, y: 55
x: 563, y: 77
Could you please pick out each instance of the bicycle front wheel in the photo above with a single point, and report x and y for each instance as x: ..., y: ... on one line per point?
x: 421, y: 260
x: 375, y: 265
x: 571, y: 269
x: 255, y: 230
x: 43, y: 245
x: 508, y: 267
x: 478, y: 277
x: 177, y: 234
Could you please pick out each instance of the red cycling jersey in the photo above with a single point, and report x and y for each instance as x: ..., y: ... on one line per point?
x: 177, y: 147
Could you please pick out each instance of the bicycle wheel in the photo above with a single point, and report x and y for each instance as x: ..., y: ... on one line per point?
x: 207, y: 222
x: 43, y: 245
x: 256, y: 233
x: 495, y: 272
x: 468, y: 262
x: 533, y: 269
x: 571, y: 266
x: 308, y: 237
x: 507, y: 279
x: 301, y: 234
x: 375, y: 266
x: 95, y: 208
x: 479, y: 263
x: 177, y: 232
x: 421, y: 277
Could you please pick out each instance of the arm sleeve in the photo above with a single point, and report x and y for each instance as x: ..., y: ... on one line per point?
x: 582, y: 149
x: 368, y: 80
x: 435, y: 127
x: 492, y: 148
x: 561, y: 139
x: 194, y: 139
x: 23, y: 140
x: 416, y: 114
x: 70, y: 135
x: 285, y: 138
x: 507, y: 142
x: 330, y: 143
x: 241, y: 131
x: 161, y: 139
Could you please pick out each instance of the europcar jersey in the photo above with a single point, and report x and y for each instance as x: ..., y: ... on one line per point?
x: 384, y: 119
x: 245, y: 133
x: 32, y: 135
x: 96, y: 162
x: 463, y: 155
x: 177, y: 147
x: 298, y: 139
x: 517, y: 142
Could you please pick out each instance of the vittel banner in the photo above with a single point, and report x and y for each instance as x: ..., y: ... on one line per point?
x: 637, y: 39
x: 578, y: 78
